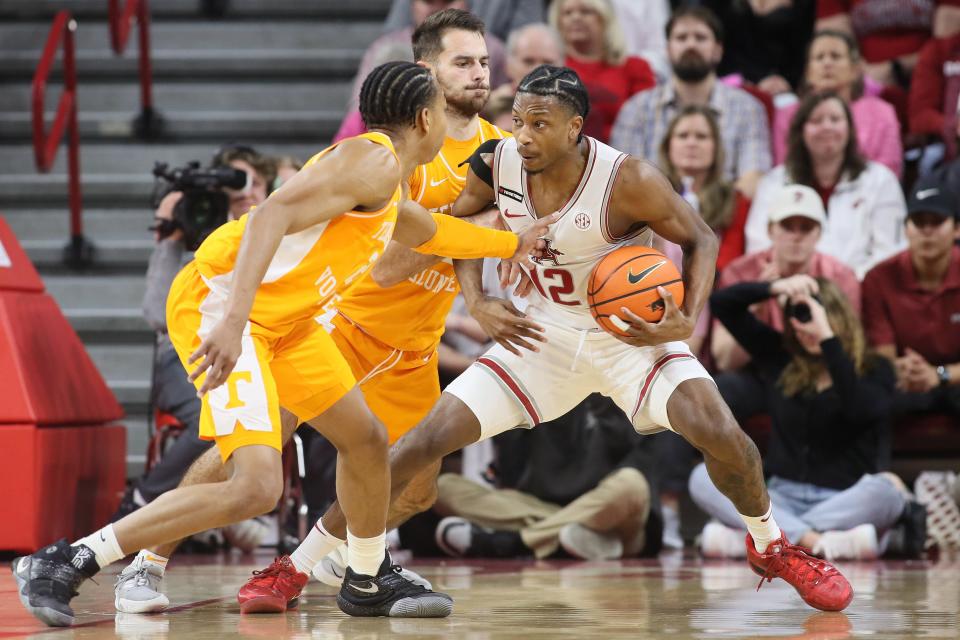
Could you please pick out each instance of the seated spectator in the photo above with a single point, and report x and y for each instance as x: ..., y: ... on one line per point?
x: 501, y: 16
x: 795, y: 223
x: 865, y: 207
x: 695, y: 46
x: 890, y: 33
x: 580, y: 484
x: 833, y: 64
x: 691, y: 155
x: 934, y: 93
x: 595, y: 50
x: 286, y: 167
x: 912, y: 305
x: 527, y: 48
x: 172, y: 393
x: 643, y: 24
x: 396, y: 45
x: 830, y: 401
x: 765, y: 41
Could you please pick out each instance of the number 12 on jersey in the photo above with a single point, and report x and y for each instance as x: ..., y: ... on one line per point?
x: 563, y: 287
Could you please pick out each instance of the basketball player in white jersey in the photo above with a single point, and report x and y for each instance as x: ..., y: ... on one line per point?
x: 606, y: 199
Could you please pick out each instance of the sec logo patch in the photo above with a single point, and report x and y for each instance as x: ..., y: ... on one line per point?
x: 582, y: 221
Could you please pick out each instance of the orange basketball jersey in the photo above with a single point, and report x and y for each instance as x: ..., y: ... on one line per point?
x: 312, y: 267
x: 411, y: 315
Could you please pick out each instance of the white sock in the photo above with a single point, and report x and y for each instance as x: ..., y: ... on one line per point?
x: 104, y: 545
x: 366, y: 554
x: 763, y: 529
x: 151, y: 558
x: 318, y: 543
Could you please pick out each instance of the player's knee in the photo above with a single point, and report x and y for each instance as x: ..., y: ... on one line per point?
x: 699, y: 414
x: 253, y: 495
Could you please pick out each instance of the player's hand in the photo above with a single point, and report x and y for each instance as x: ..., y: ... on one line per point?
x: 165, y: 212
x: 675, y: 325
x: 220, y: 351
x: 531, y: 241
x: 512, y: 274
x: 508, y: 326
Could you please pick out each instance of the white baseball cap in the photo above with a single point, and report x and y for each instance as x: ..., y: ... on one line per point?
x: 798, y: 200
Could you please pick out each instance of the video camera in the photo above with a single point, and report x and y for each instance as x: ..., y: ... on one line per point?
x: 204, y: 205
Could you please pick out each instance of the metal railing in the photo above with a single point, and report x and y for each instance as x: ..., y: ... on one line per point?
x: 78, y: 252
x: 148, y: 124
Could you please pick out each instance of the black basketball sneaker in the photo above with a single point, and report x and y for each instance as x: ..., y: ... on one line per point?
x: 391, y: 595
x: 47, y: 580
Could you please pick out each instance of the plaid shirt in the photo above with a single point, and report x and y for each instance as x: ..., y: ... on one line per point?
x: 643, y: 120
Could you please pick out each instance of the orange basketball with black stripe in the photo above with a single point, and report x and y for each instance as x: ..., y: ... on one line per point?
x: 629, y: 277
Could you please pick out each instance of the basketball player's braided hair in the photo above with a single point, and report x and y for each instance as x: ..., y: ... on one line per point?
x: 394, y: 93
x: 560, y: 82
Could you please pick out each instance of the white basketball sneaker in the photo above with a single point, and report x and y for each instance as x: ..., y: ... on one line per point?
x: 138, y: 588
x: 720, y: 541
x: 859, y: 543
x: 331, y: 569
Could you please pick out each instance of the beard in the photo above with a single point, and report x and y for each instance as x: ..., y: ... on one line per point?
x: 692, y: 67
x: 465, y: 101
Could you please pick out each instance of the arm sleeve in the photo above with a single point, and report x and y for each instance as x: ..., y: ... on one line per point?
x: 889, y: 148
x: 163, y: 268
x: 887, y: 217
x: 731, y: 306
x: 755, y: 230
x: 926, y: 92
x: 876, y: 315
x: 754, y: 152
x: 456, y: 238
x: 864, y: 399
x: 480, y: 168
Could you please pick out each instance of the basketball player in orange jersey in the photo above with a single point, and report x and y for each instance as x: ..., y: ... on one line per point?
x: 387, y: 326
x: 242, y: 316
x: 605, y: 200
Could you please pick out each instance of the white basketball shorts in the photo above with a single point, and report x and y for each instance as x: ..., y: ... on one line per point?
x: 506, y: 391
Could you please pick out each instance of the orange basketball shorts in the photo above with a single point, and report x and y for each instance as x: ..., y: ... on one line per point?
x: 298, y: 367
x: 400, y: 387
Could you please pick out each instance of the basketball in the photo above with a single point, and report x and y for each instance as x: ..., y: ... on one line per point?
x: 629, y: 277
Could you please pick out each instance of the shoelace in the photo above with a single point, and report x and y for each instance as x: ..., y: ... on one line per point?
x: 811, y: 567
x: 396, y: 581
x: 273, y: 571
x: 140, y: 578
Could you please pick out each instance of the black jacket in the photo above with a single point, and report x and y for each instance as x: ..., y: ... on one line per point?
x: 828, y: 438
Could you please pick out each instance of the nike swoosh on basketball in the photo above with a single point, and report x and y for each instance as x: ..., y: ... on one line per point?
x: 635, y: 278
x: 507, y: 214
x: 437, y: 183
x: 925, y: 193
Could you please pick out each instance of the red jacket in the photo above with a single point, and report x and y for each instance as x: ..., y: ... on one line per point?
x: 934, y: 90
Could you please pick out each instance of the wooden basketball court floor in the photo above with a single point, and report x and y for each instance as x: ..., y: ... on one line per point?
x: 675, y: 597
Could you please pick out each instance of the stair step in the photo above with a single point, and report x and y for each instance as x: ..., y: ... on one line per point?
x: 251, y: 126
x: 171, y: 97
x: 243, y: 9
x: 103, y: 292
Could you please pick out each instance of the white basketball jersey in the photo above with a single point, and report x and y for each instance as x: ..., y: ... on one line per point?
x: 577, y: 241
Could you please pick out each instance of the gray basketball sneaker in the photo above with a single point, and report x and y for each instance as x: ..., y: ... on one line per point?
x: 138, y: 588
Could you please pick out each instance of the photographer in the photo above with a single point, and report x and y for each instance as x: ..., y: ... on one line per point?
x: 172, y: 393
x: 830, y: 402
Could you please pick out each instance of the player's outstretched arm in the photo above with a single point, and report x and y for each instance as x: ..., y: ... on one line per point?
x: 358, y: 174
x: 643, y: 194
x: 443, y: 235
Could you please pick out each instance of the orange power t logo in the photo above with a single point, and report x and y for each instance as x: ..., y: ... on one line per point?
x: 232, y: 381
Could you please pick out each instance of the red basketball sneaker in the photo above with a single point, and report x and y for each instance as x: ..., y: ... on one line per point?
x: 273, y: 590
x: 817, y: 581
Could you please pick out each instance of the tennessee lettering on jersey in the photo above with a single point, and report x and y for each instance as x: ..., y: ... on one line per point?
x: 411, y: 315
x: 310, y: 268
